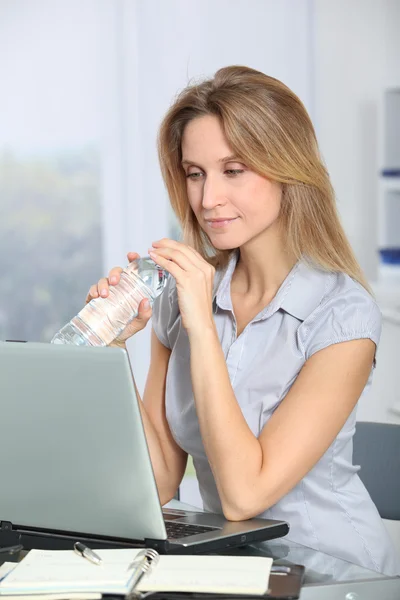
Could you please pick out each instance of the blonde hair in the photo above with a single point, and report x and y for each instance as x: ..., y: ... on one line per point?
x: 267, y: 126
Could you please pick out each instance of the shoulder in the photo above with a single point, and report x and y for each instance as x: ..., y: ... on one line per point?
x: 166, y: 313
x: 345, y: 311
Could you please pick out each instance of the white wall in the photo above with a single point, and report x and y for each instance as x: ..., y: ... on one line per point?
x: 179, y: 40
x: 357, y: 54
x: 337, y: 56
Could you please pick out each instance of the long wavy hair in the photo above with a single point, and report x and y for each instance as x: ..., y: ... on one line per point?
x: 268, y: 128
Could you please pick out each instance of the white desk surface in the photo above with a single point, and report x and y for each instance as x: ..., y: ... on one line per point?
x: 327, y: 577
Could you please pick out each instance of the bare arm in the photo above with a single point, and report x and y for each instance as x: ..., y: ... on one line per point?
x: 168, y: 459
x: 253, y: 474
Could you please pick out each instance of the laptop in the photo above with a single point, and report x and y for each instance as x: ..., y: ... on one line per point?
x: 74, y: 462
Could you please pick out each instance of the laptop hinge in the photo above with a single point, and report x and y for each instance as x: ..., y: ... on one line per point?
x: 162, y: 546
x: 8, y: 536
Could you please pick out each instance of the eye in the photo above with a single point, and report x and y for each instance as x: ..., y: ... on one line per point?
x: 195, y: 175
x: 233, y: 172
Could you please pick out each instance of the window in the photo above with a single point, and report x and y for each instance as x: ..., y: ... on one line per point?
x: 57, y: 126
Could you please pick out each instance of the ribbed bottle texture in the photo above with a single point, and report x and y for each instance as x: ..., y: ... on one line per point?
x: 103, y: 319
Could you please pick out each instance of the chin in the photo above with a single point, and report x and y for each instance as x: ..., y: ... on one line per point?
x: 220, y: 244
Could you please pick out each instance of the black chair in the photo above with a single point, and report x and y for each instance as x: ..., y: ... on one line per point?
x: 376, y: 448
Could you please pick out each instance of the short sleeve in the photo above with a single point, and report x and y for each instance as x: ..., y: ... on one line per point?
x: 165, y: 313
x: 349, y: 315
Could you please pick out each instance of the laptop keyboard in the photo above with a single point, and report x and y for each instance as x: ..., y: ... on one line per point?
x: 179, y: 530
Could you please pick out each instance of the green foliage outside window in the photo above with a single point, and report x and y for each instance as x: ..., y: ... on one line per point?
x: 50, y: 240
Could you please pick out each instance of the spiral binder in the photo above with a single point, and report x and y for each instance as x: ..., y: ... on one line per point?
x: 144, y: 561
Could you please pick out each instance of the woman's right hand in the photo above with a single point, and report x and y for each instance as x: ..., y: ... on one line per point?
x: 100, y: 290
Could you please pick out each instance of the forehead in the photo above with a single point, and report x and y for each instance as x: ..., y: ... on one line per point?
x: 204, y: 137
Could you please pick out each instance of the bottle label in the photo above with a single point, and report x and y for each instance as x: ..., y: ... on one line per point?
x: 108, y: 317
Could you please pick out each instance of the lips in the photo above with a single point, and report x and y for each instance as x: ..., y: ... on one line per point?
x: 221, y: 222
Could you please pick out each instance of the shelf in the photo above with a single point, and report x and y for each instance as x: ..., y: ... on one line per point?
x: 388, y: 199
x: 390, y: 183
x: 391, y: 129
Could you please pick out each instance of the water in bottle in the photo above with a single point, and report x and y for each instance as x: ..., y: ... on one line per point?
x: 103, y: 319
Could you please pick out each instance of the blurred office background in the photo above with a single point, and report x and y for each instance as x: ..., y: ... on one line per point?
x: 83, y: 87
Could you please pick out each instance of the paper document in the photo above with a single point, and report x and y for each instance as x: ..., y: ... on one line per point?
x: 209, y: 574
x: 63, y: 573
x: 7, y: 567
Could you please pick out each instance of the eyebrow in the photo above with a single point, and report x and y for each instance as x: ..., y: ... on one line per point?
x: 231, y: 158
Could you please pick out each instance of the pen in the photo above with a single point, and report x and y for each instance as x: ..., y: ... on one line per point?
x: 86, y: 552
x: 143, y: 562
x: 280, y: 570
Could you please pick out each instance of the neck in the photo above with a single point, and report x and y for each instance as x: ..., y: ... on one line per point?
x: 262, y: 266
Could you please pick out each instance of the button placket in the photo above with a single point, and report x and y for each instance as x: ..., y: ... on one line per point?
x: 233, y: 339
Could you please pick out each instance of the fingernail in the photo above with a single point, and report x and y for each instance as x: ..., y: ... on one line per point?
x: 146, y: 304
x: 103, y: 292
x: 113, y: 279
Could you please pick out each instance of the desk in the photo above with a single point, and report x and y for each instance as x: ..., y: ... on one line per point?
x: 326, y: 577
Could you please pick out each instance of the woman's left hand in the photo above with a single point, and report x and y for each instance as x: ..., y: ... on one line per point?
x: 194, y: 282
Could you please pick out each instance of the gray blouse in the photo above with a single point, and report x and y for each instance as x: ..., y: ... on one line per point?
x: 329, y: 509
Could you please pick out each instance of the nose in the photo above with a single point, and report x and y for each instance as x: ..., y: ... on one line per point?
x: 214, y: 193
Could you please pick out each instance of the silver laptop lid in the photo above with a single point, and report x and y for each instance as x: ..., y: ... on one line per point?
x: 67, y: 445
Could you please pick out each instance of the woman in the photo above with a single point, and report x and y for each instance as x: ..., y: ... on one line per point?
x: 265, y: 338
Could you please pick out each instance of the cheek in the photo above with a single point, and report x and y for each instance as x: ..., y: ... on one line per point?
x: 194, y: 196
x: 266, y: 200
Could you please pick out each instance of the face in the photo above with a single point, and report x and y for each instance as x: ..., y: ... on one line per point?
x: 232, y: 204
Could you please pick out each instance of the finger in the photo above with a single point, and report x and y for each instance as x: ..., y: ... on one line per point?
x: 92, y: 293
x: 167, y: 242
x: 177, y: 256
x: 144, y: 310
x: 187, y: 250
x: 170, y: 266
x: 132, y: 256
x: 102, y: 287
x: 138, y: 323
x: 115, y: 275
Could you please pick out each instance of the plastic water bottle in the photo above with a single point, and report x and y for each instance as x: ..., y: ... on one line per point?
x: 102, y: 320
